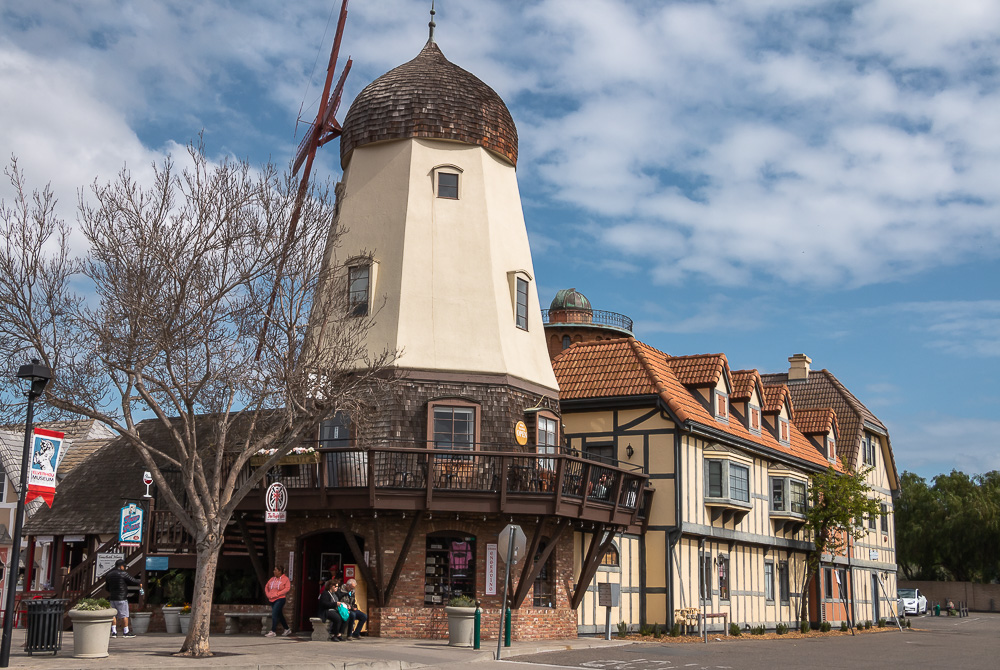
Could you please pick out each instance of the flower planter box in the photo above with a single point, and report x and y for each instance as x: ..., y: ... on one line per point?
x: 91, y: 632
x: 290, y: 459
x: 185, y: 622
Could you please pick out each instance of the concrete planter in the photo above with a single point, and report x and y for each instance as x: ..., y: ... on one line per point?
x: 170, y: 615
x: 185, y: 621
x: 138, y: 622
x: 91, y: 632
x: 461, y: 625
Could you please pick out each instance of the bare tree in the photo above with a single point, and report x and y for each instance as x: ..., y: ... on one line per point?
x: 163, y: 316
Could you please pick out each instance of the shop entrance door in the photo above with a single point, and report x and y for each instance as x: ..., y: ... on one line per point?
x: 323, y: 557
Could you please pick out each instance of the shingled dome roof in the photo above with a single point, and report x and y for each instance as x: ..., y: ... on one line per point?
x: 429, y: 97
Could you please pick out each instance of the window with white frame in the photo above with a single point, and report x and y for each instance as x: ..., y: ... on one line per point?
x: 447, y: 185
x: 547, y: 440
x: 778, y: 495
x: 521, y: 303
x: 358, y: 289
x: 884, y: 517
x: 454, y: 427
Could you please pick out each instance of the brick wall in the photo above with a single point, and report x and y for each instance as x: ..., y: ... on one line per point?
x: 980, y: 597
x: 406, y: 615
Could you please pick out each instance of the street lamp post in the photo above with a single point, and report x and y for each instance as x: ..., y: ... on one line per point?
x: 39, y: 376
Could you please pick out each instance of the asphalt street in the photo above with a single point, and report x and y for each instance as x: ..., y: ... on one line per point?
x: 935, y: 642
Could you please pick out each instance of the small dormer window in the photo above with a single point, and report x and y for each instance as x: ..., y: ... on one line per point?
x: 445, y: 181
x: 831, y: 449
x: 754, y: 419
x: 721, y: 405
x: 783, y: 430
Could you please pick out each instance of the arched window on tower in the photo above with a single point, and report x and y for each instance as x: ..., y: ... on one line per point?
x: 567, y: 343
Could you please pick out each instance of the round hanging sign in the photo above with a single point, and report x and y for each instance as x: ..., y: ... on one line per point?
x: 521, y: 433
x: 276, y: 500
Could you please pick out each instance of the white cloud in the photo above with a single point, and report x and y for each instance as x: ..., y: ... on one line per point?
x: 939, y: 443
x: 963, y: 328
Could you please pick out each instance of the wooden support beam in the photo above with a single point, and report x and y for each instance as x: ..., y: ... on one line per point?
x: 522, y: 584
x: 248, y: 540
x: 598, y: 547
x: 359, y: 557
x: 379, y: 589
x: 404, y: 551
x: 528, y: 577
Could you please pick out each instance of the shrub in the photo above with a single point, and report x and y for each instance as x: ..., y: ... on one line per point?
x: 657, y: 633
x: 908, y: 623
x: 757, y: 630
x: 92, y: 604
x: 622, y: 629
x: 675, y: 630
x: 781, y: 629
x: 868, y: 625
x: 804, y: 627
x: 843, y: 626
x: 881, y: 623
x: 825, y: 627
x: 734, y: 629
x: 462, y: 601
x: 645, y: 630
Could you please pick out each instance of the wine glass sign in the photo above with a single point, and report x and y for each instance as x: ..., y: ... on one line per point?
x: 147, y: 479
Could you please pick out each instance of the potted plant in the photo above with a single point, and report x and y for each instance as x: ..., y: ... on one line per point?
x: 91, y: 619
x: 138, y: 620
x: 184, y: 618
x: 461, y: 612
x: 171, y: 614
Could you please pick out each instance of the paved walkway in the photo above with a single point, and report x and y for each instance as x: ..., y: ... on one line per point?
x: 246, y: 652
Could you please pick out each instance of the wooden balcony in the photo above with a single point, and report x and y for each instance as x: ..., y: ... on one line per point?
x: 481, y: 481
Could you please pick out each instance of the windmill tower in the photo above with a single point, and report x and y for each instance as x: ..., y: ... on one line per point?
x: 435, y: 241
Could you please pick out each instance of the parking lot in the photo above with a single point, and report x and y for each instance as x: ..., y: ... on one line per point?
x: 934, y: 642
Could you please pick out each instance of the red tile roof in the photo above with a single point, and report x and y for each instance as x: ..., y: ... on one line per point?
x: 700, y: 369
x: 775, y: 396
x: 626, y: 368
x: 744, y: 382
x: 822, y: 389
x: 816, y: 421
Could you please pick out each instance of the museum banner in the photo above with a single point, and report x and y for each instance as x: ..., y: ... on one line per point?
x: 45, y: 448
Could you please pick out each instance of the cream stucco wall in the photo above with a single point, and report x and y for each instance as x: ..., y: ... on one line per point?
x: 444, y: 264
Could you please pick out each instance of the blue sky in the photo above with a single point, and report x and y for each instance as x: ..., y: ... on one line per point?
x: 754, y: 177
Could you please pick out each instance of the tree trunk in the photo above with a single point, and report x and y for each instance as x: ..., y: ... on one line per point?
x: 196, y: 642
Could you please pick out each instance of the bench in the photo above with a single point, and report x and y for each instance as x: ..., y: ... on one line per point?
x: 233, y: 621
x: 716, y: 615
x: 321, y: 630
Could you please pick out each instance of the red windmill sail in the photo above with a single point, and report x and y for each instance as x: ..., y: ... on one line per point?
x: 323, y: 130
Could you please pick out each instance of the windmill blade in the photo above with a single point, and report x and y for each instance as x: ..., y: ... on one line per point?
x: 338, y: 92
x: 308, y: 140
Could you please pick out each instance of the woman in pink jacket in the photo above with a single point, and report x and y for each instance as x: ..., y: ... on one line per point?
x: 276, y: 590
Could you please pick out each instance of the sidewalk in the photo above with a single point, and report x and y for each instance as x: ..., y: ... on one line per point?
x: 247, y: 652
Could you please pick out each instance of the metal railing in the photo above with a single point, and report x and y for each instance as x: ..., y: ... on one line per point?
x: 595, y: 317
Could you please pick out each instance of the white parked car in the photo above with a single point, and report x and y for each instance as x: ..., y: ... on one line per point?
x: 912, y: 601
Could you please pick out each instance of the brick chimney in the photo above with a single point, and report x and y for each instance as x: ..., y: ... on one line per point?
x: 799, y: 368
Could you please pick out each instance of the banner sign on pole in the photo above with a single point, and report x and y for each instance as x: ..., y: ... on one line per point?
x: 45, y: 448
x: 130, y: 529
x: 276, y: 500
x: 491, y: 569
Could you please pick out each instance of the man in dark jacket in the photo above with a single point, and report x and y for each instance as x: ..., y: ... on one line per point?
x: 356, y: 615
x: 117, y: 582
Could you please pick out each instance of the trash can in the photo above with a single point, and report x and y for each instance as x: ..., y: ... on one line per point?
x: 45, y: 625
x: 937, y: 609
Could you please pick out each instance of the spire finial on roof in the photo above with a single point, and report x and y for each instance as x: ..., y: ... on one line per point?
x: 431, y: 25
